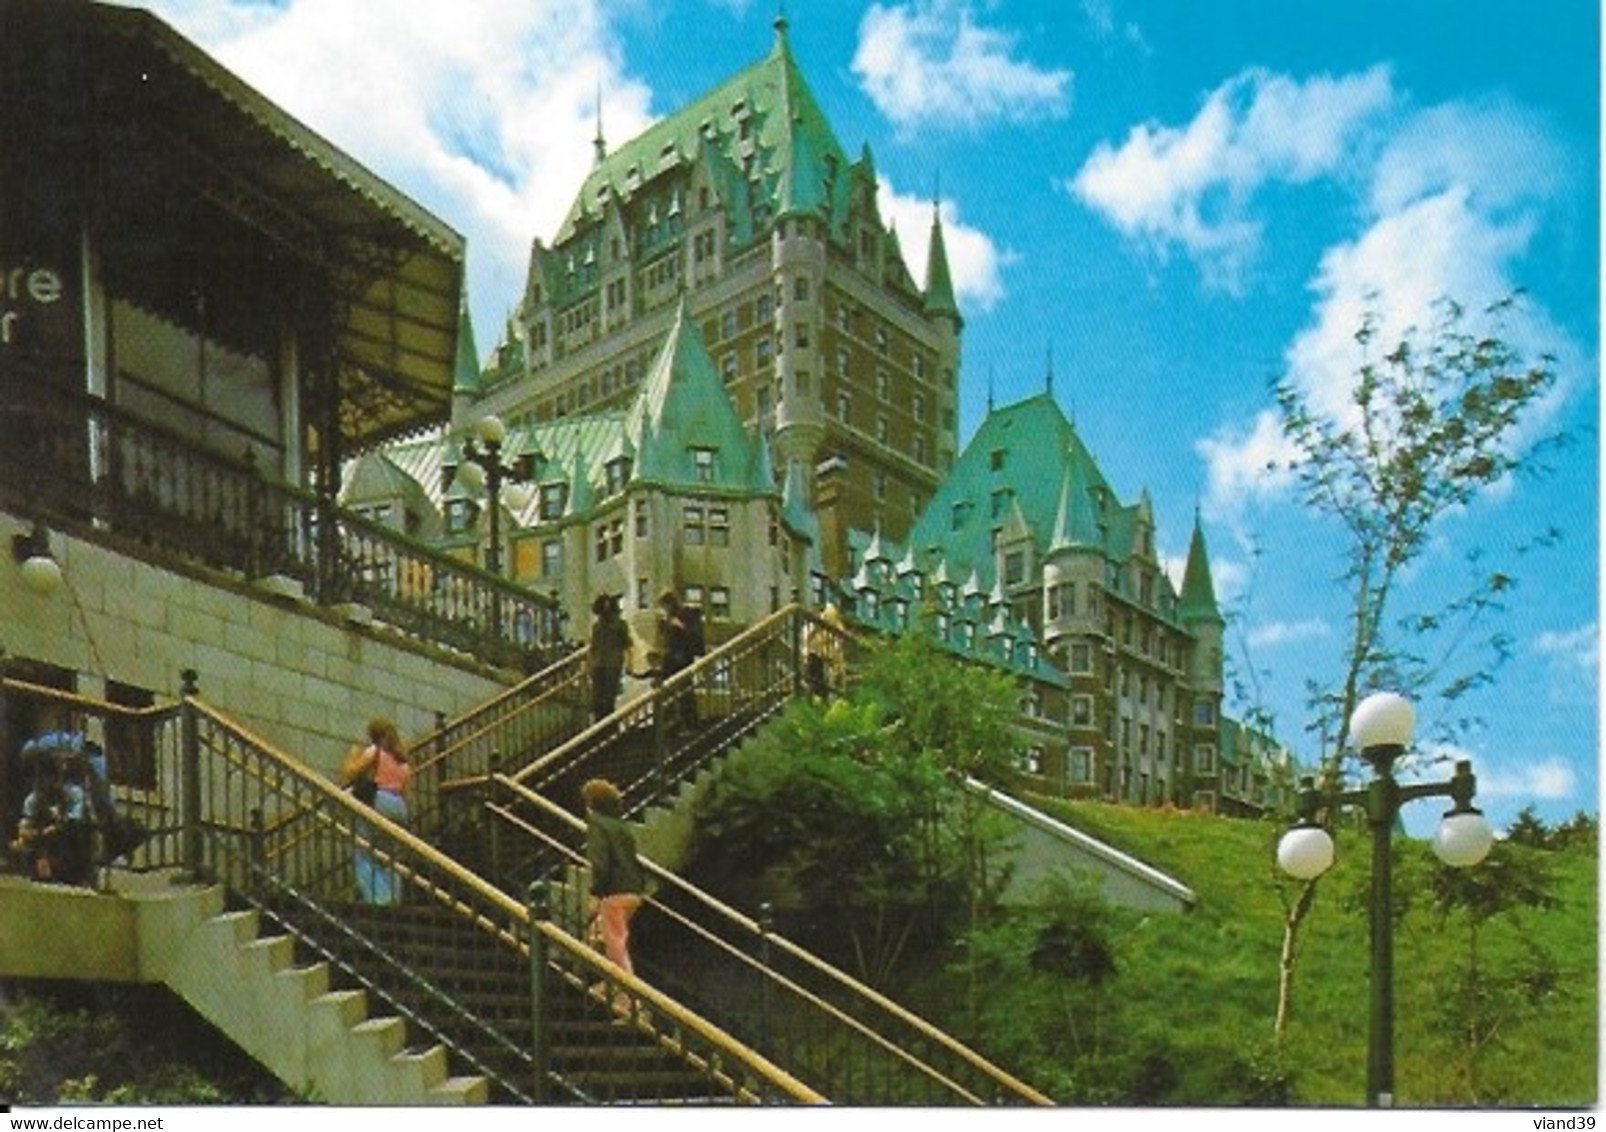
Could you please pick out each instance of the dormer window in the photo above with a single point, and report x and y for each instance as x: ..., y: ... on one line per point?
x: 553, y: 498
x: 960, y: 514
x: 618, y: 473
x: 1000, y: 501
x: 459, y: 516
x: 703, y: 464
x: 995, y: 459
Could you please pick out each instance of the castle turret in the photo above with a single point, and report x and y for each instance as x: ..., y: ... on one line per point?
x: 941, y: 307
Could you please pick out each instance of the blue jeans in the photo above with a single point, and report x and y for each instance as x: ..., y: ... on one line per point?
x: 377, y: 883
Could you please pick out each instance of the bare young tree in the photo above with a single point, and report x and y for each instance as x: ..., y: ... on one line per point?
x: 1429, y: 426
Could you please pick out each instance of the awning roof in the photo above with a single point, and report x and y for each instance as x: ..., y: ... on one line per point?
x: 396, y: 271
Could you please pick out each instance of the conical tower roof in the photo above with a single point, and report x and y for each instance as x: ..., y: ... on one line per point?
x: 466, y: 368
x: 1198, y: 600
x: 939, y: 281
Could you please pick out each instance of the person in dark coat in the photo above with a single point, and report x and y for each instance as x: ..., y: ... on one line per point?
x: 618, y: 881
x: 677, y: 648
x: 610, y: 645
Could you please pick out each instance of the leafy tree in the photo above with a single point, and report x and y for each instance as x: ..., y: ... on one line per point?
x: 858, y: 813
x: 1483, y: 1001
x: 825, y: 817
x: 1052, y: 970
x: 960, y: 717
x: 1528, y: 830
x: 1580, y: 831
x: 1430, y: 424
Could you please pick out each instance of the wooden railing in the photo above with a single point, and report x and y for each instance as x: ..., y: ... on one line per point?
x: 83, y: 465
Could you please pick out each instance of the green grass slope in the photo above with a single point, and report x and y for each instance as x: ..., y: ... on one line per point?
x: 1208, y: 979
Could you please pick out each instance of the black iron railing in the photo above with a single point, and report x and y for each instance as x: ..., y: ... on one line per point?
x: 512, y: 996
x: 82, y: 464
x: 843, y: 1038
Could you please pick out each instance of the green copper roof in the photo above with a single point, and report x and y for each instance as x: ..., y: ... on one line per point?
x: 374, y: 477
x: 765, y: 112
x: 1076, y: 524
x: 466, y: 374
x: 682, y: 407
x: 1198, y: 598
x: 1021, y: 456
x: 939, y: 282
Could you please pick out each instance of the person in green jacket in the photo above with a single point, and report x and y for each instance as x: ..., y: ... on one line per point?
x: 618, y: 881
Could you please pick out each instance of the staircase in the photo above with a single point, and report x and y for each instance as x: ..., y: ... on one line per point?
x: 319, y: 1040
x: 841, y: 1037
x: 489, y: 973
x: 462, y: 989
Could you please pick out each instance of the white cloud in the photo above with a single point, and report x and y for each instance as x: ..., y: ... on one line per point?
x: 1100, y: 15
x: 1455, y: 211
x: 1192, y: 186
x: 1579, y: 648
x: 1574, y: 657
x: 484, y: 112
x: 1276, y: 633
x: 929, y: 63
x: 975, y: 263
x: 1501, y: 153
x: 1449, y: 207
x: 1244, y: 465
x: 1549, y: 778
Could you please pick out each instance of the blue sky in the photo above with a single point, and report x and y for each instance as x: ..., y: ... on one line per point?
x: 1176, y: 202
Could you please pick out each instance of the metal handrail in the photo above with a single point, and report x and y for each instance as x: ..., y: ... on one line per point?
x: 652, y: 705
x: 284, y: 840
x: 814, y: 985
x: 307, y: 900
x: 84, y: 465
x: 544, y: 790
x: 535, y: 712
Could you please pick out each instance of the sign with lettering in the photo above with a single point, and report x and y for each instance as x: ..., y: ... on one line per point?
x: 26, y: 292
x: 41, y: 308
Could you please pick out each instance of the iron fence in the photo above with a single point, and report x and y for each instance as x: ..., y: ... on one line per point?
x: 83, y: 464
x: 512, y: 996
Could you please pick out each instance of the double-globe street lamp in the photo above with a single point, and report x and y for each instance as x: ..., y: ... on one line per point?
x: 1381, y: 728
x: 482, y: 470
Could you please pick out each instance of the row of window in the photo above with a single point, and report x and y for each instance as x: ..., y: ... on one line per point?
x: 1081, y: 761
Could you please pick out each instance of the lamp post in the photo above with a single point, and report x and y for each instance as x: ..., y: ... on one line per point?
x: 1381, y: 727
x: 482, y: 470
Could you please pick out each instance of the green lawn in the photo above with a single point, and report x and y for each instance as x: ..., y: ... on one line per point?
x: 1207, y: 980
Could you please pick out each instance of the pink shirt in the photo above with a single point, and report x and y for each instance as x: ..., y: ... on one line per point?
x: 390, y: 773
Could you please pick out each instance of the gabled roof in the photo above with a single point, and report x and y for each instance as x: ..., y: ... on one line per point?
x: 797, y: 161
x: 374, y: 477
x: 683, y: 405
x: 1039, y: 448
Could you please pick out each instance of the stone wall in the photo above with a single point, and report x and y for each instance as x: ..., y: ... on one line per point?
x: 299, y: 676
